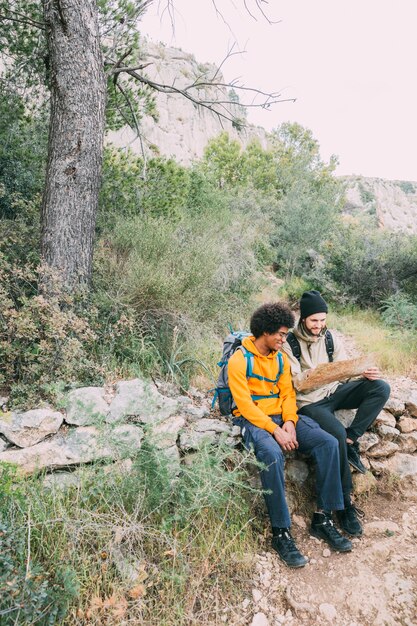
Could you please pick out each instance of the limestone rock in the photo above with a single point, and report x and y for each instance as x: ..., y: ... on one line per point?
x: 182, y: 130
x: 28, y: 428
x: 81, y: 445
x: 296, y: 470
x: 363, y: 483
x: 395, y: 406
x: 346, y: 416
x: 3, y: 444
x: 387, y: 432
x: 165, y: 434
x: 386, y: 418
x: 196, y: 412
x: 367, y: 441
x: 394, y: 207
x: 259, y: 619
x: 193, y: 440
x: 140, y: 399
x: 217, y: 426
x: 411, y: 404
x: 381, y: 527
x: 408, y: 442
x: 385, y: 448
x: 86, y: 406
x: 328, y: 611
x: 407, y: 424
x: 403, y: 465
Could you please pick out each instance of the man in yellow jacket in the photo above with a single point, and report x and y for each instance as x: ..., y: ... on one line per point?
x: 266, y: 412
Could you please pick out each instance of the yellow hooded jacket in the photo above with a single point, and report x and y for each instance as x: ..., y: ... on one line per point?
x: 258, y: 411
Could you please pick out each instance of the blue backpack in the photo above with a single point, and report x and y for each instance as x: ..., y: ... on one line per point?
x: 222, y: 392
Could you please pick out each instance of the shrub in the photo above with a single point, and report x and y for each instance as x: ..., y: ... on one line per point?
x: 400, y: 312
x: 42, y: 341
x: 183, y: 535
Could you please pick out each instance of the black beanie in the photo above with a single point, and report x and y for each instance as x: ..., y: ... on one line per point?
x: 311, y: 302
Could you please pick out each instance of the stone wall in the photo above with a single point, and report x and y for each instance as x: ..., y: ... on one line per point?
x: 111, y: 424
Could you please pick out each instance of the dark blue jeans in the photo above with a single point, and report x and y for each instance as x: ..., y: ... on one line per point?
x: 312, y: 440
x: 368, y: 396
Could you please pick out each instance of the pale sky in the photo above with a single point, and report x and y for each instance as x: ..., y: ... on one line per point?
x: 350, y: 64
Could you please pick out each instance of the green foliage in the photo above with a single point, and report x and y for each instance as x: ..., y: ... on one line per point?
x: 159, y: 187
x: 28, y: 592
x: 400, y: 312
x: 42, y: 341
x: 223, y: 161
x: 173, y: 523
x: 22, y: 156
x: 22, y: 39
x: 367, y: 266
x: 407, y: 187
x: 366, y: 194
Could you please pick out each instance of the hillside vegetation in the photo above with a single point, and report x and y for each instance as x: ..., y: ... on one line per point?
x: 181, y: 252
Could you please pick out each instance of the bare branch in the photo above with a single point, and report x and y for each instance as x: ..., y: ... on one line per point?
x: 23, y: 19
x: 211, y: 105
x: 117, y: 70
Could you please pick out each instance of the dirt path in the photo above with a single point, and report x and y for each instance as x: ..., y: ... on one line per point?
x: 375, y: 584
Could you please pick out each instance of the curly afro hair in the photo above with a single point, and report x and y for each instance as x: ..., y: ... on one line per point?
x: 269, y: 318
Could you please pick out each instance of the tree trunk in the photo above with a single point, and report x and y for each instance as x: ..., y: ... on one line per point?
x: 78, y: 98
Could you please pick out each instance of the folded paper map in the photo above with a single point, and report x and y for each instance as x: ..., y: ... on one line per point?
x: 331, y: 372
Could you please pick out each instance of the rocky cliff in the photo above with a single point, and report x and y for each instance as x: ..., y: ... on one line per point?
x: 183, y: 129
x: 393, y: 203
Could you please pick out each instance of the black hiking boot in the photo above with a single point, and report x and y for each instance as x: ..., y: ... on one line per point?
x: 284, y: 544
x: 348, y: 520
x: 354, y: 457
x: 322, y: 527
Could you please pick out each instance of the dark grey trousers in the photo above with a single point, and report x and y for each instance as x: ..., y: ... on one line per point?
x: 368, y: 396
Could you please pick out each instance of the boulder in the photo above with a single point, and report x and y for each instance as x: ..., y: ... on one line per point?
x: 363, y: 483
x: 195, y: 412
x: 193, y: 440
x: 86, y: 406
x: 346, y: 416
x: 386, y: 418
x: 80, y: 445
x: 383, y: 449
x: 367, y: 441
x: 3, y: 444
x: 165, y: 434
x: 411, y: 404
x: 217, y: 426
x: 387, y: 432
x: 395, y: 406
x: 402, y: 465
x: 296, y: 470
x: 28, y: 428
x: 407, y: 424
x: 140, y: 399
x: 408, y: 442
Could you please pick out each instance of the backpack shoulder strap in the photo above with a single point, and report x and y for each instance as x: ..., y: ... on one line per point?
x: 294, y: 345
x: 328, y: 340
x: 280, y: 360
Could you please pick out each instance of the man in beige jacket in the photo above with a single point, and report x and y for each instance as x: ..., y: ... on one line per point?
x: 309, y: 346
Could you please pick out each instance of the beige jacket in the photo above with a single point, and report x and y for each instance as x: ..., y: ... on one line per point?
x: 313, y: 352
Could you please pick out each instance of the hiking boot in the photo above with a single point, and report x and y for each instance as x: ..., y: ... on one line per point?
x: 284, y: 544
x: 348, y: 520
x: 322, y: 527
x: 354, y: 457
